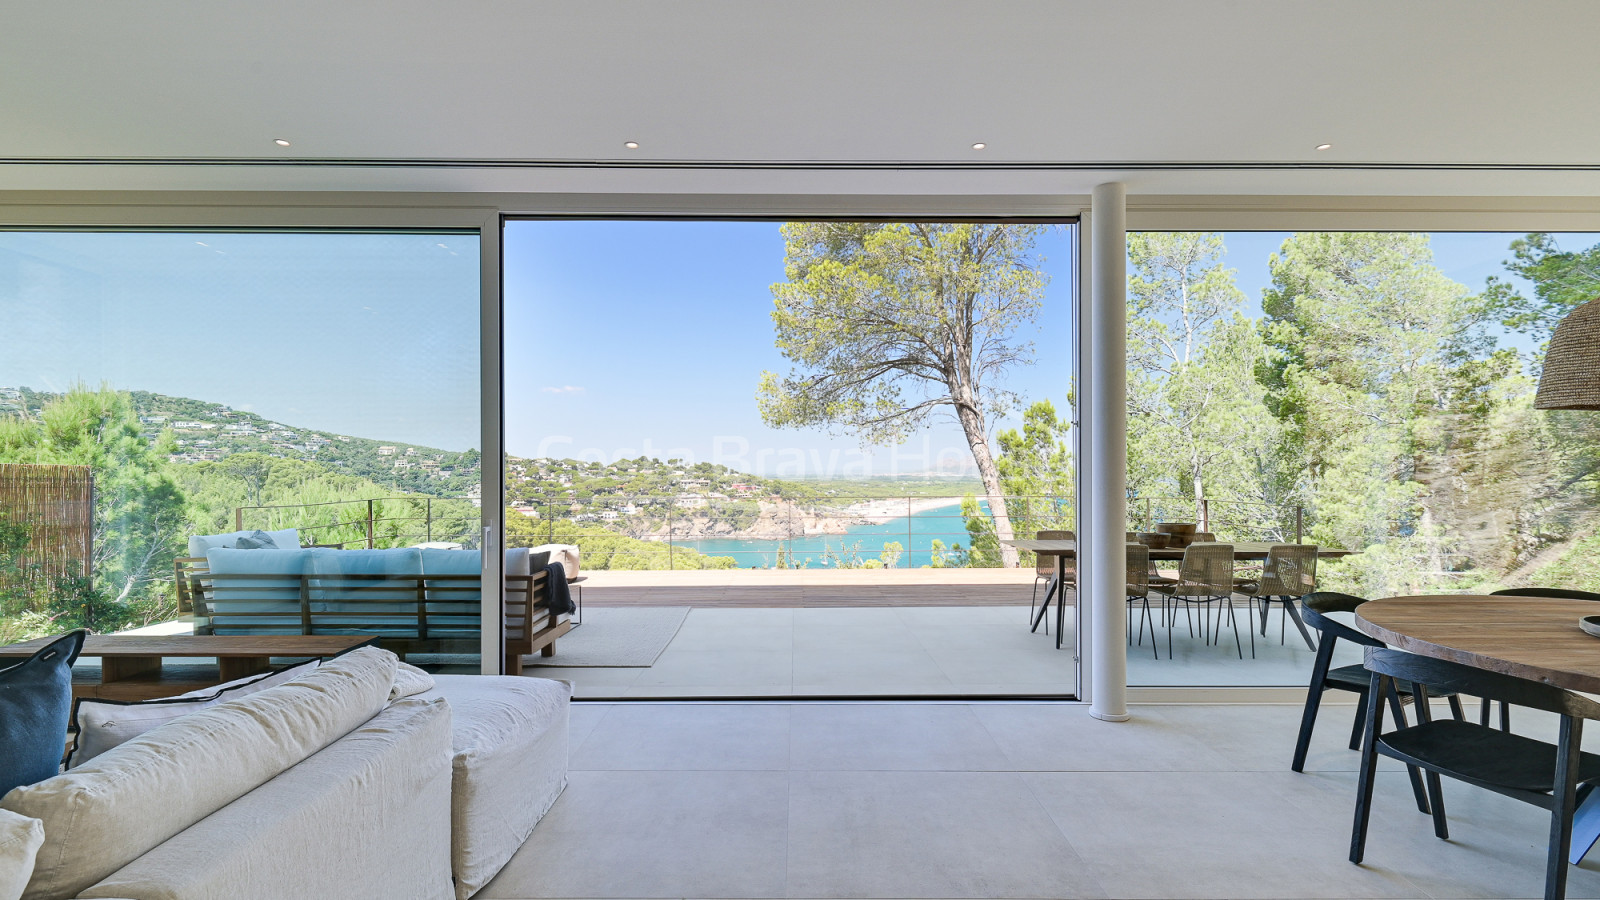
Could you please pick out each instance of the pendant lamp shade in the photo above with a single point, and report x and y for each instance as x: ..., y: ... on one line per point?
x: 1571, y: 378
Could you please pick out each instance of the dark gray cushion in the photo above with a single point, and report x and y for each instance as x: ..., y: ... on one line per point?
x: 35, y: 703
x: 258, y: 540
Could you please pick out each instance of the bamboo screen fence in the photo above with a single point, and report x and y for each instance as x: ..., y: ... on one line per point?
x: 56, y: 506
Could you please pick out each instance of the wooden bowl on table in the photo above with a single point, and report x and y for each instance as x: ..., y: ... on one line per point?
x: 1179, y: 534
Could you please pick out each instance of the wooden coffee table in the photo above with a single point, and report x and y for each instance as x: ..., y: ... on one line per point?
x: 131, y: 664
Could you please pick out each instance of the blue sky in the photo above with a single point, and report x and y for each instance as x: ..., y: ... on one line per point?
x: 621, y: 337
x: 630, y: 337
x: 374, y: 335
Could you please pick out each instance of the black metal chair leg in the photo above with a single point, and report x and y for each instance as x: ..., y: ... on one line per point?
x: 1233, y: 618
x: 1148, y: 618
x: 1061, y: 615
x: 1294, y: 615
x: 1252, y: 633
x: 1048, y: 593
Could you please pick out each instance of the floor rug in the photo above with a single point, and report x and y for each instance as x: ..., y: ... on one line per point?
x: 616, y: 636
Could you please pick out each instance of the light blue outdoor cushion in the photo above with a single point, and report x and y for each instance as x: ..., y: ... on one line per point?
x: 269, y: 601
x: 201, y: 544
x: 453, y: 610
x: 451, y: 562
x: 354, y: 616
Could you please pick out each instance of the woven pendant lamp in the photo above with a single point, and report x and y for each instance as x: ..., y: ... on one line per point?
x: 1571, y: 378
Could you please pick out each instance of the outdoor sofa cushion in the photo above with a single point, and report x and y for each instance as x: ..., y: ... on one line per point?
x: 286, y: 539
x: 35, y: 703
x: 273, y: 603
x: 115, y: 808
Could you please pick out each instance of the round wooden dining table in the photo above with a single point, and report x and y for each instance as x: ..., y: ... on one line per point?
x: 1527, y: 637
x: 1535, y: 638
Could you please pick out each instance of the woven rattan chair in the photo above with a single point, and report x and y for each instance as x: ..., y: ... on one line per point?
x: 1138, y: 581
x: 1044, y: 568
x: 1289, y: 573
x: 1205, y: 577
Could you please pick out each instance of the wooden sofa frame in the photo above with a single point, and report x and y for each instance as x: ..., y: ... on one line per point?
x: 528, y: 625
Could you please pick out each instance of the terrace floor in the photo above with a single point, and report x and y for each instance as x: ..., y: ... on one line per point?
x: 876, y: 633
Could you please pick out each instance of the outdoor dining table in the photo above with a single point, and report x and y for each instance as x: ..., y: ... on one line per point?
x: 1526, y: 637
x: 1064, y: 550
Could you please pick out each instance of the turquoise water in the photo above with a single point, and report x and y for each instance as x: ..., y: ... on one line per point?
x: 917, y: 533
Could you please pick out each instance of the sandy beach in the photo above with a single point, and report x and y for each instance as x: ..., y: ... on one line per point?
x: 894, y: 508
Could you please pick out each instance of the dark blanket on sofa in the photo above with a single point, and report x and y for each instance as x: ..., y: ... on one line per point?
x: 557, y: 596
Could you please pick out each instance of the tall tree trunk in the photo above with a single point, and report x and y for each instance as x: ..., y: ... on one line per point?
x: 972, y: 424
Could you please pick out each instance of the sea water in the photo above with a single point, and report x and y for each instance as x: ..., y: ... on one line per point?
x: 915, y: 533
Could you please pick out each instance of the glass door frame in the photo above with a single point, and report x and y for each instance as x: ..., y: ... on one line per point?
x: 182, y: 215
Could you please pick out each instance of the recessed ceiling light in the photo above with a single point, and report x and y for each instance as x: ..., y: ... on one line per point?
x: 979, y: 145
x: 281, y: 142
x: 1324, y: 146
x: 631, y: 145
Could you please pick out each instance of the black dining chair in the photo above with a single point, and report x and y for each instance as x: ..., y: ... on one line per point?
x: 1556, y: 593
x: 1545, y: 775
x: 1315, y: 609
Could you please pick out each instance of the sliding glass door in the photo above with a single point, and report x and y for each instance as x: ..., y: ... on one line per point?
x: 790, y: 457
x: 167, y: 394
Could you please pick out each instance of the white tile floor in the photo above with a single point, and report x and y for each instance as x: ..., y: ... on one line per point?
x: 898, y: 651
x: 1000, y: 800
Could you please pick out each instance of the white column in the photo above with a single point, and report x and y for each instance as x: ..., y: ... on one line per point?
x: 1105, y: 462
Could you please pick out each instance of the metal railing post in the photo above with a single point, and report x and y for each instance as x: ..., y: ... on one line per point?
x: 429, y: 514
x: 908, y: 531
x: 1299, y: 523
x: 1205, y: 514
x: 370, y: 543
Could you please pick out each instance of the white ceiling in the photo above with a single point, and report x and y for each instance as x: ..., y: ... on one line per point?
x: 1139, y: 90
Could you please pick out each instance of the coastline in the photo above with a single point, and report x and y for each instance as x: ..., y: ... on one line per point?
x: 898, y: 508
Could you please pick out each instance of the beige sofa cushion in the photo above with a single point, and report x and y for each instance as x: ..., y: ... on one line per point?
x: 116, y: 807
x: 367, y: 816
x: 510, y: 742
x: 20, y: 839
x: 566, y: 554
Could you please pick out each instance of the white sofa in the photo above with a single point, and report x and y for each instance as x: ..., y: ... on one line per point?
x: 325, y: 786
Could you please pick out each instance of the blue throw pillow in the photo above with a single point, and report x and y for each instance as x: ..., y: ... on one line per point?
x: 35, y: 702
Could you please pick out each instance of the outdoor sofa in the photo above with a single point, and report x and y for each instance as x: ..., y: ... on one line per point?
x: 414, y: 600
